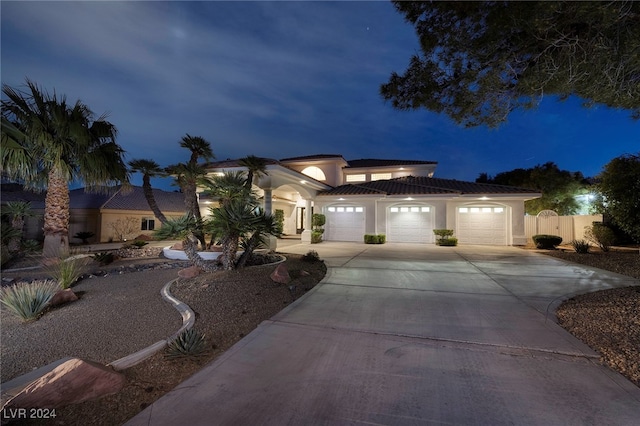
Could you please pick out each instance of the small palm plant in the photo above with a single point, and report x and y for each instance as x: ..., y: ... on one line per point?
x: 28, y: 300
x: 189, y: 343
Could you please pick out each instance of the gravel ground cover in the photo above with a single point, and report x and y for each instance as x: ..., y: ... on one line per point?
x: 229, y: 305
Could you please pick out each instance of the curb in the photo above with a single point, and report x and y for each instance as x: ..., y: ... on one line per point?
x: 188, y: 319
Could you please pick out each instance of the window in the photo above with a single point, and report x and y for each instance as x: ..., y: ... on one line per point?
x: 415, y: 209
x: 404, y: 209
x: 498, y: 210
x: 380, y: 176
x: 314, y: 172
x: 464, y: 210
x: 349, y: 209
x: 486, y: 210
x: 424, y: 209
x: 475, y: 209
x: 359, y: 209
x: 394, y: 210
x: 332, y: 209
x: 340, y: 209
x: 148, y: 224
x: 356, y: 178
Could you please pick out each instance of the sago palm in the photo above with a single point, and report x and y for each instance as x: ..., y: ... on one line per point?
x: 16, y: 211
x: 61, y: 143
x: 256, y: 168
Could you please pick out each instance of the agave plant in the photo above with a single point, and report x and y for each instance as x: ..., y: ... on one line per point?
x: 189, y: 343
x: 28, y: 300
x: 68, y: 270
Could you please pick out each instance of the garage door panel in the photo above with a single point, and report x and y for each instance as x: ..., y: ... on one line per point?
x: 482, y: 225
x: 344, y: 223
x: 410, y: 224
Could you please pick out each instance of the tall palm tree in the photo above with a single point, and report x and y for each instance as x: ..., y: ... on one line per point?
x: 149, y: 169
x: 200, y: 148
x: 189, y: 174
x: 61, y: 143
x: 256, y: 168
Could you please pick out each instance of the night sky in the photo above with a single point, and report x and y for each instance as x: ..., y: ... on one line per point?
x: 277, y: 79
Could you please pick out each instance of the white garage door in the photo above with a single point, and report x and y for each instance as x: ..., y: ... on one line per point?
x: 344, y: 223
x: 482, y: 225
x: 410, y: 224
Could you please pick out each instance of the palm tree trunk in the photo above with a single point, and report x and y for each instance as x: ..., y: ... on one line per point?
x: 17, y: 223
x: 151, y: 200
x: 191, y: 203
x: 190, y: 245
x: 252, y: 244
x: 56, y: 216
x: 229, y: 252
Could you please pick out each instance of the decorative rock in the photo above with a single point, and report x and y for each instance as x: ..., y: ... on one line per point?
x: 50, y: 261
x: 177, y: 246
x: 281, y: 274
x: 63, y: 296
x: 304, y: 273
x: 73, y: 382
x: 190, y: 272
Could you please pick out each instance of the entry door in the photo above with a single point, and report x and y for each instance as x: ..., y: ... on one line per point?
x: 299, y: 219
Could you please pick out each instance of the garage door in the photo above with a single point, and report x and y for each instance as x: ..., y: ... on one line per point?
x: 344, y: 223
x: 410, y: 224
x: 482, y: 225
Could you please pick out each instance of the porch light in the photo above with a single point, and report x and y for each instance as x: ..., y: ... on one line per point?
x: 340, y: 199
x: 303, y: 182
x: 484, y: 198
x: 409, y: 198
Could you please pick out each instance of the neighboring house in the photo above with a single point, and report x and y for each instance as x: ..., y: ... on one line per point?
x: 400, y: 199
x: 120, y: 214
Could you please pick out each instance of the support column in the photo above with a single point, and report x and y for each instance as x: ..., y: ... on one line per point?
x: 268, y: 201
x: 306, y: 234
x: 268, y: 209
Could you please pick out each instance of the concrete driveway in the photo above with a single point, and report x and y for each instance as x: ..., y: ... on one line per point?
x: 407, y: 334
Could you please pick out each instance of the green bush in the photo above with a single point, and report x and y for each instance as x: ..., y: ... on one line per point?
x: 546, y: 242
x: 375, y: 238
x: 580, y: 246
x: 190, y: 343
x: 279, y: 218
x: 316, y: 237
x: 318, y: 220
x: 443, y: 233
x: 311, y: 256
x: 601, y: 235
x: 451, y: 241
x: 28, y: 300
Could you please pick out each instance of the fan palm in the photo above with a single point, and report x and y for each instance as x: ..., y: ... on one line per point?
x: 149, y: 169
x: 256, y: 168
x: 58, y: 143
x: 199, y: 147
x: 16, y: 211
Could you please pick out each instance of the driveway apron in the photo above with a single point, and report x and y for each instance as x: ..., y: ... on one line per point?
x: 410, y: 334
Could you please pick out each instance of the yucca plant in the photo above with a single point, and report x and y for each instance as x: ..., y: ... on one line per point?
x: 28, y: 300
x: 68, y: 270
x: 190, y: 343
x: 104, y: 258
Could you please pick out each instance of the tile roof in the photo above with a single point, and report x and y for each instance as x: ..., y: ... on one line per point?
x: 233, y: 163
x: 15, y: 192
x: 312, y: 157
x: 373, y: 162
x: 134, y: 200
x: 422, y: 185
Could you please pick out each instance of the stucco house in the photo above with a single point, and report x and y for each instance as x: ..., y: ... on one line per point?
x: 400, y: 199
x: 122, y: 213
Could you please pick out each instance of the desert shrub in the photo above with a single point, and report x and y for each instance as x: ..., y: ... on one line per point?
x: 311, y: 256
x: 450, y: 241
x: 580, y: 246
x: 138, y: 244
x: 546, y: 242
x: 375, y: 238
x: 28, y: 300
x: 104, y: 258
x: 29, y: 246
x: 316, y: 237
x: 68, y: 270
x: 189, y: 343
x: 601, y: 235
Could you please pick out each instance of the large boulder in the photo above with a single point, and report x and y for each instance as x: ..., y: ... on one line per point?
x: 281, y: 274
x: 190, y: 272
x: 62, y: 297
x: 72, y: 382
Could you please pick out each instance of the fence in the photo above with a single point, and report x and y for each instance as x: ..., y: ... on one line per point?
x: 567, y: 227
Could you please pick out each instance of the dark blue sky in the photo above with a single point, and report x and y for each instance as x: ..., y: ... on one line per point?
x: 277, y: 79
